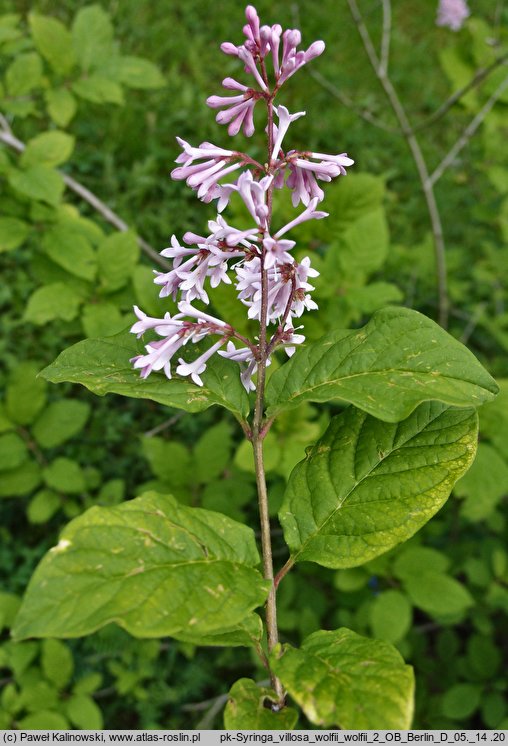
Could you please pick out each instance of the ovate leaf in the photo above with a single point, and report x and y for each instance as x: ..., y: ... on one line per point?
x: 54, y: 301
x: 13, y: 451
x: 84, y: 713
x: 98, y: 90
x: 397, y: 361
x: 102, y: 320
x: 38, y: 182
x: 390, y: 616
x: 53, y: 41
x: 367, y: 485
x: 248, y: 708
x: 48, y: 149
x: 438, y: 594
x: 26, y: 393
x: 13, y: 233
x: 92, y: 34
x: 57, y: 662
x: 117, y: 256
x: 24, y: 74
x: 342, y: 679
x: 151, y: 566
x: 102, y: 365
x: 65, y: 475
x: 61, y: 105
x: 60, y: 421
x: 136, y: 72
x: 71, y: 251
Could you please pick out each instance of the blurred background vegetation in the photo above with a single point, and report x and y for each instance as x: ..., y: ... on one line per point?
x: 103, y: 106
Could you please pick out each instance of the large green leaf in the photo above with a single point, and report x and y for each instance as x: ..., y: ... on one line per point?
x: 246, y: 709
x: 340, y: 678
x: 102, y: 365
x: 368, y: 485
x: 397, y: 361
x: 53, y: 41
x: 152, y: 566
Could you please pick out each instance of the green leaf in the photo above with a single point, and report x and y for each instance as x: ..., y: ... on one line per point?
x: 43, y: 506
x: 117, y: 256
x: 390, y: 616
x: 53, y: 41
x: 38, y: 182
x: 364, y: 244
x: 414, y: 560
x: 43, y: 720
x: 151, y: 566
x: 20, y: 481
x: 54, y: 301
x: 9, y: 605
x: 438, y: 594
x: 461, y: 701
x: 136, y: 72
x: 24, y: 74
x: 26, y: 394
x: 13, y: 451
x: 169, y: 461
x: 99, y: 90
x: 484, y: 485
x: 340, y: 678
x: 246, y: 709
x: 102, y: 365
x: 390, y: 366
x: 60, y: 421
x: 367, y: 485
x: 494, y: 419
x: 84, y: 713
x: 71, y: 251
x: 13, y: 233
x: 92, y: 35
x: 102, y: 320
x: 61, y: 105
x: 65, y: 475
x: 49, y: 149
x: 212, y: 453
x: 57, y: 663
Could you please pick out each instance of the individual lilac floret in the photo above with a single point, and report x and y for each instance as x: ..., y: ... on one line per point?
x: 285, y: 119
x: 303, y: 174
x: 452, y: 13
x: 216, y: 163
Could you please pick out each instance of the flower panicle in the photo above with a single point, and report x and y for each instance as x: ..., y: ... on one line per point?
x: 258, y: 260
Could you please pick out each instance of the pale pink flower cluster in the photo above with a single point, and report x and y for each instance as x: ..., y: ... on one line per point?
x: 268, y: 279
x: 452, y: 13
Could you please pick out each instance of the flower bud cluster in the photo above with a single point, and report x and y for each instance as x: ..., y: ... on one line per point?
x: 269, y: 281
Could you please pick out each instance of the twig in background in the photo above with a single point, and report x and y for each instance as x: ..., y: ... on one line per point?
x: 468, y: 133
x: 8, y: 138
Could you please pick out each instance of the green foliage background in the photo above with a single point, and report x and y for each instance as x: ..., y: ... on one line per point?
x: 442, y: 598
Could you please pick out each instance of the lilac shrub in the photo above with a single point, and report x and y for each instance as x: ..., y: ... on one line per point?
x: 386, y: 464
x: 261, y: 254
